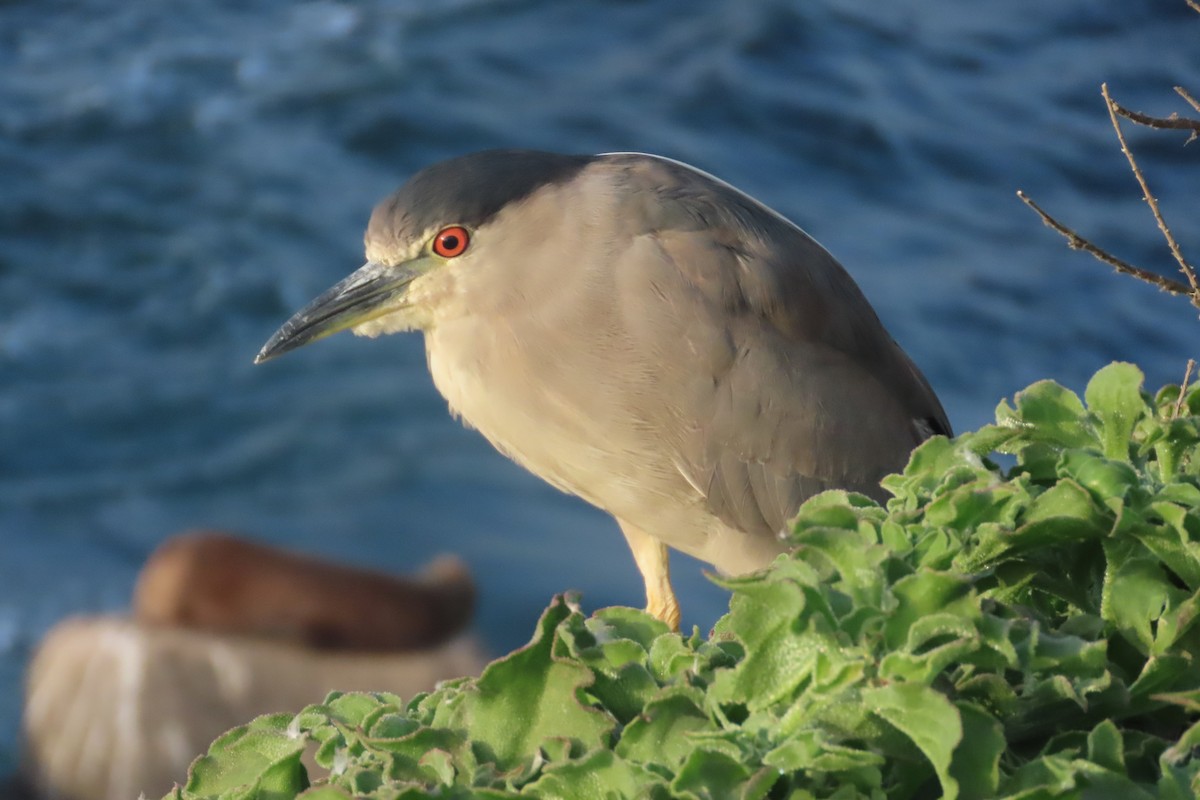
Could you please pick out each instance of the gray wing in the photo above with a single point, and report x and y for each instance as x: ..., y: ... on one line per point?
x: 784, y: 381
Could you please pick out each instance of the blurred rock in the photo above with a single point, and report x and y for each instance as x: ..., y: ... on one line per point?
x: 213, y: 581
x: 225, y: 630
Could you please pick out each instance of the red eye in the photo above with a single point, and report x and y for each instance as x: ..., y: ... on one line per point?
x: 451, y: 241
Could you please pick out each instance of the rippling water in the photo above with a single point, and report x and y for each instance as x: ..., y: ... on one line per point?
x: 178, y: 177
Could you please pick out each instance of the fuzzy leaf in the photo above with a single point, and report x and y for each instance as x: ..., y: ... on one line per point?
x: 927, y: 718
x: 1114, y: 394
x: 601, y: 774
x: 1047, y: 412
x: 660, y: 733
x: 975, y: 763
x: 528, y: 696
x: 260, y: 758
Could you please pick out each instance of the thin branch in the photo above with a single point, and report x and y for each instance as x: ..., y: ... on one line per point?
x: 1187, y: 375
x: 1077, y: 242
x: 1182, y: 92
x: 1172, y: 122
x: 1184, y: 266
x: 1195, y: 6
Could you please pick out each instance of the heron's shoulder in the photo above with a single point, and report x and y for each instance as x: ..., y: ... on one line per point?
x: 743, y: 255
x: 685, y: 196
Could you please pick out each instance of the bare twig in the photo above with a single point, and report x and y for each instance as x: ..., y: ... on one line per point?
x: 1174, y: 121
x: 1195, y: 6
x: 1077, y: 242
x: 1187, y: 376
x: 1182, y: 92
x: 1173, y: 245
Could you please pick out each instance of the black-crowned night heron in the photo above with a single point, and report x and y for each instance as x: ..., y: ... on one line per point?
x: 641, y: 335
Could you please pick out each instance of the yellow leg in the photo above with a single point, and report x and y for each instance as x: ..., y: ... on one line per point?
x: 652, y: 560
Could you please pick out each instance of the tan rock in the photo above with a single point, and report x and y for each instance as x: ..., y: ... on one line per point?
x: 114, y: 709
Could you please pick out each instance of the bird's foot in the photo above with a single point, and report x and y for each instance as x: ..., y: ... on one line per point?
x: 654, y: 564
x: 665, y: 608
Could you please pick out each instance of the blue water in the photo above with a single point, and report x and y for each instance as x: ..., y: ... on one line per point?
x: 176, y: 178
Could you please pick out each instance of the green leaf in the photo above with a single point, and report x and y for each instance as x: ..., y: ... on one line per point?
x: 767, y: 617
x: 1176, y: 544
x: 927, y: 718
x: 622, y: 680
x: 975, y: 764
x: 670, y: 657
x: 710, y: 775
x: 323, y: 793
x: 660, y: 734
x: 625, y: 691
x: 352, y: 708
x: 1106, y: 479
x: 1183, y: 494
x: 988, y: 439
x: 260, y: 758
x: 924, y: 666
x: 439, y: 764
x: 526, y: 697
x: 926, y: 469
x: 1114, y: 394
x: 928, y: 592
x: 392, y: 726
x: 812, y: 750
x: 1106, y: 747
x: 1164, y: 673
x: 631, y: 624
x: 1136, y: 593
x: 855, y: 562
x: 599, y: 775
x: 976, y: 503
x: 1186, y: 745
x: 1178, y: 621
x: 415, y: 744
x: 1047, y: 412
x: 1068, y: 499
x: 1039, y: 460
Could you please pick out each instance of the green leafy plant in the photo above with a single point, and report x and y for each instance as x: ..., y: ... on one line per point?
x: 1026, y: 632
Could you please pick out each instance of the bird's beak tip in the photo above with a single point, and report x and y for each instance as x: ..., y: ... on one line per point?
x: 267, y: 352
x: 281, y: 342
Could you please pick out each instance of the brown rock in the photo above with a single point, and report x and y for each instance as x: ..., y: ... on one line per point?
x: 213, y: 581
